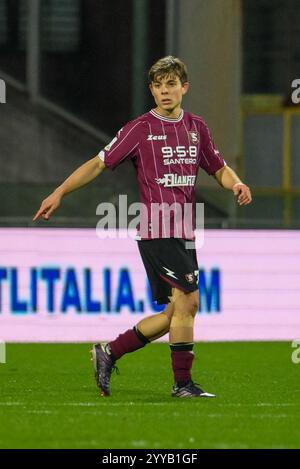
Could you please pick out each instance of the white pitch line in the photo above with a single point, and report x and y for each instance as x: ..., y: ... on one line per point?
x: 42, y: 412
x: 104, y: 403
x: 11, y: 403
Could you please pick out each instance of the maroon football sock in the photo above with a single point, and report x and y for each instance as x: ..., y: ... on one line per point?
x: 129, y: 341
x: 182, y: 362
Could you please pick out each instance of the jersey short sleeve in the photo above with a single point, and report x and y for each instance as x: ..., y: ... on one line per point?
x: 210, y: 158
x: 123, y: 146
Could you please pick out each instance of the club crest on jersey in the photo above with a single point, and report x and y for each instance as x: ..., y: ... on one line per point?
x: 189, y: 277
x: 194, y: 137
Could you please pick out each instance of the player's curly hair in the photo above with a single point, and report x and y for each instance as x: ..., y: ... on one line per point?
x: 168, y: 66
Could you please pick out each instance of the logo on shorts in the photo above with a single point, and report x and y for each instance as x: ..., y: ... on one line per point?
x: 170, y: 272
x: 190, y: 277
x: 194, y: 136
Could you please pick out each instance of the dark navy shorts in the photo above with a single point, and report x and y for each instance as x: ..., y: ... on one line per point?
x: 169, y: 265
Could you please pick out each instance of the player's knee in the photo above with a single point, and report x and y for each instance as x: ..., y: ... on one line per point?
x: 187, y: 305
x: 193, y: 306
x: 169, y: 311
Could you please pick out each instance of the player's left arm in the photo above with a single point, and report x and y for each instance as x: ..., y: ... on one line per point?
x: 228, y: 179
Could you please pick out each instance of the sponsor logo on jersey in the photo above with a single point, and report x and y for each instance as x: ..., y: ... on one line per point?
x: 179, y: 154
x: 157, y: 137
x: 168, y: 161
x: 176, y: 180
x: 194, y: 136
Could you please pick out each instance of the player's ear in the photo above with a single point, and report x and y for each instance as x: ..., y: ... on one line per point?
x: 150, y: 88
x: 185, y: 87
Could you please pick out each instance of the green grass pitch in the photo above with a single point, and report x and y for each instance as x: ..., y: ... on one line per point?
x: 48, y: 399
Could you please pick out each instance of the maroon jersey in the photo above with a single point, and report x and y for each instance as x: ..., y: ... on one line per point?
x: 167, y: 154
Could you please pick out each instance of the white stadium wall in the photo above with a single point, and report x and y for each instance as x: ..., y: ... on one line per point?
x: 67, y: 285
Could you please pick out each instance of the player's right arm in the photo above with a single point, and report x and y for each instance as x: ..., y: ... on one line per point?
x: 123, y: 146
x: 80, y: 177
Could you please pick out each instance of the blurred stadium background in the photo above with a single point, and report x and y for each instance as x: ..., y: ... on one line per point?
x: 75, y: 72
x: 74, y: 78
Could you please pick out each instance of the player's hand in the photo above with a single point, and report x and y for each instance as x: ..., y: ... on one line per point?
x: 48, y: 206
x: 243, y: 193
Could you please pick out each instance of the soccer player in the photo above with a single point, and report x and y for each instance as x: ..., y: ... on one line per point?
x: 167, y: 146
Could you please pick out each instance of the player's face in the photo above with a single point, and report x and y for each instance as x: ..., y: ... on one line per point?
x: 168, y: 92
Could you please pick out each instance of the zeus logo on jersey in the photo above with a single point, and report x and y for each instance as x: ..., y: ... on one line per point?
x: 173, y: 180
x: 157, y: 137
